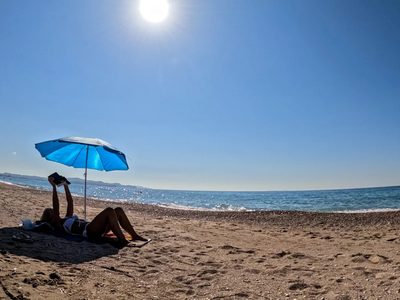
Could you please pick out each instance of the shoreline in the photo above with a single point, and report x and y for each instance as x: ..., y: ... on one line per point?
x: 206, y: 210
x: 356, y: 203
x: 290, y: 218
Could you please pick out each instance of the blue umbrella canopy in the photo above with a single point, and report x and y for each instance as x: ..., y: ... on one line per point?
x: 80, y: 152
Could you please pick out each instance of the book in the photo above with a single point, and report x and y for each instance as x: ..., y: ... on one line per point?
x: 58, y: 179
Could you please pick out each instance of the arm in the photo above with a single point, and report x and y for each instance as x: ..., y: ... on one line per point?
x: 56, y: 206
x: 70, y: 205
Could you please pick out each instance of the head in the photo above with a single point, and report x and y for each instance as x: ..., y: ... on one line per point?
x: 47, y: 215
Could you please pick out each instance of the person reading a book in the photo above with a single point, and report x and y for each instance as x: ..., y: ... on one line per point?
x: 109, y: 219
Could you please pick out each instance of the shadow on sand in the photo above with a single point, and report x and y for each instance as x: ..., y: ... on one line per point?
x: 46, y: 247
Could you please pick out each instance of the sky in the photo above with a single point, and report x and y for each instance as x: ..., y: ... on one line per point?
x: 226, y: 95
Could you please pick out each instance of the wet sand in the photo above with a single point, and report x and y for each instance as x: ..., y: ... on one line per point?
x: 202, y: 255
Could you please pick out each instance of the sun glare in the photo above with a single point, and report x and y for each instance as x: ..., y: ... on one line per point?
x: 154, y: 10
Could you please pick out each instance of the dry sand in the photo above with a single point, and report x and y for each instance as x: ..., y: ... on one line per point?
x: 203, y: 255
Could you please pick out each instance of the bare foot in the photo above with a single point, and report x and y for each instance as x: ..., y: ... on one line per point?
x: 138, y: 238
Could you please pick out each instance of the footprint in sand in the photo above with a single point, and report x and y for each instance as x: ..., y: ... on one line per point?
x: 211, y: 264
x: 151, y: 272
x: 253, y: 271
x: 298, y: 255
x: 235, y: 250
x: 280, y: 254
x: 188, y: 292
x: 298, y: 286
x: 379, y: 259
x: 207, y: 274
x: 373, y: 258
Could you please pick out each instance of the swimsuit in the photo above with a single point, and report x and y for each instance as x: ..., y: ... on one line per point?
x: 68, y: 226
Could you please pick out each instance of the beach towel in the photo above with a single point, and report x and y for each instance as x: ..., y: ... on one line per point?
x: 109, y: 238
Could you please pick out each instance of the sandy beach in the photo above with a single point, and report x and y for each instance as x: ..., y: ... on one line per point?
x: 202, y: 255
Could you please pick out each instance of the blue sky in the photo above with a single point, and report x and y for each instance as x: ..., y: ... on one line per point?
x: 222, y: 95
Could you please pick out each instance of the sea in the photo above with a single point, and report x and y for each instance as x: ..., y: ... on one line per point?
x: 339, y: 200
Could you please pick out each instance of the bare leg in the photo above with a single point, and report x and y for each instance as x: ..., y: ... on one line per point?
x: 105, y: 221
x: 56, y: 204
x: 125, y: 224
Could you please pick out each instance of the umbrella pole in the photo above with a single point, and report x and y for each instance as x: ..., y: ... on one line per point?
x: 84, y: 203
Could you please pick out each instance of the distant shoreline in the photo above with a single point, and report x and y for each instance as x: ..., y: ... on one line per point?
x: 97, y: 182
x: 273, y: 218
x: 135, y: 196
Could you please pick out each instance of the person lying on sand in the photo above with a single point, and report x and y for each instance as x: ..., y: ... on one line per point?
x: 108, y: 219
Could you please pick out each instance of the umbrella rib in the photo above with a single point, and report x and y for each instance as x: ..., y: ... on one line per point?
x: 101, y: 159
x: 76, y: 157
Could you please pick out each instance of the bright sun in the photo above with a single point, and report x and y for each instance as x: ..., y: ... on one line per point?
x: 154, y: 10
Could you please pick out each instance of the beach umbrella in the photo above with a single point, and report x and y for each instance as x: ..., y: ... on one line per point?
x: 80, y: 152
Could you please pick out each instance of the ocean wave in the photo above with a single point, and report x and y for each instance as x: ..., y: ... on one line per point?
x: 381, y: 199
x: 371, y: 210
